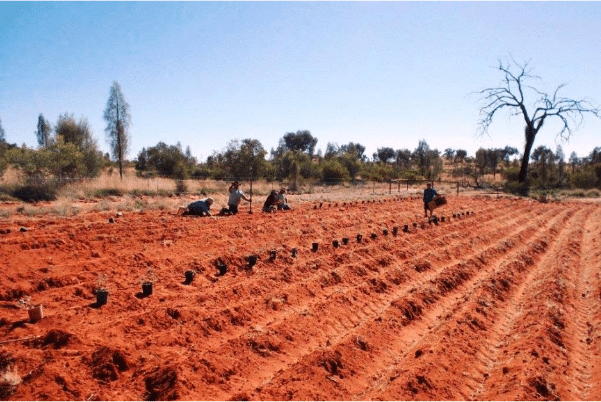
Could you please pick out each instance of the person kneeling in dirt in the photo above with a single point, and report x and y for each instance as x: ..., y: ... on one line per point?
x: 271, y: 202
x: 236, y: 195
x: 282, y: 202
x: 429, y: 194
x: 199, y: 208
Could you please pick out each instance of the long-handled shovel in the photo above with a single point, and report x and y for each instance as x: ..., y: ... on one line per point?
x: 250, y: 210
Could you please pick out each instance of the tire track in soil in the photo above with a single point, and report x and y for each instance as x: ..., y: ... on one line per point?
x: 345, y: 335
x: 591, y: 304
x: 496, y: 356
x: 534, y: 314
x: 566, y: 372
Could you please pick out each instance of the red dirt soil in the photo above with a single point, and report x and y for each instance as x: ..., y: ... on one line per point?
x: 500, y: 303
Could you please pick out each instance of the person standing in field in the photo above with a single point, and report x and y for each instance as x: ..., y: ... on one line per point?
x: 236, y: 195
x: 429, y: 194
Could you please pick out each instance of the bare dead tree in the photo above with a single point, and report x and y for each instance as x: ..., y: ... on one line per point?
x: 511, y: 95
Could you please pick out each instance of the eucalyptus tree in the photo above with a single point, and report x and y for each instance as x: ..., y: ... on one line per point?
x: 118, y: 120
x: 43, y: 132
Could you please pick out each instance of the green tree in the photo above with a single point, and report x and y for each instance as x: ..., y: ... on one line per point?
x: 460, y: 155
x: 403, y: 158
x: 165, y: 160
x: 384, y: 154
x: 301, y: 141
x: 574, y: 160
x: 512, y: 94
x: 44, y: 131
x: 543, y: 157
x: 118, y: 120
x: 242, y: 157
x: 79, y: 134
x: 334, y: 172
x: 2, y: 137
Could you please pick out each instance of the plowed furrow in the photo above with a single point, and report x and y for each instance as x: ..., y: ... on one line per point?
x: 334, y: 308
x: 272, y: 289
x: 590, y: 280
x: 410, y: 380
x: 517, y: 320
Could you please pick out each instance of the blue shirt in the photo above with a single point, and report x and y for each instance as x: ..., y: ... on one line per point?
x: 429, y: 194
x: 200, y: 207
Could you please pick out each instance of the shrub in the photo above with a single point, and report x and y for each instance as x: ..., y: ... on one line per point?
x: 107, y: 192
x: 517, y: 188
x: 334, y: 172
x: 585, y: 179
x: 37, y: 189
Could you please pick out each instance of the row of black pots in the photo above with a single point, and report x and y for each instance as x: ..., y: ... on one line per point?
x: 102, y: 295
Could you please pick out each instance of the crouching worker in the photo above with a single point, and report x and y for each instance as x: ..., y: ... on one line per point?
x: 282, y: 201
x: 236, y: 195
x: 199, y: 208
x: 271, y: 202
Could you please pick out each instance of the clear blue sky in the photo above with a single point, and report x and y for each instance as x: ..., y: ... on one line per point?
x: 380, y: 74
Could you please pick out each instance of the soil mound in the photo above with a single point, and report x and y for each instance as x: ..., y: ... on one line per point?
x: 162, y: 385
x: 55, y: 338
x: 107, y: 363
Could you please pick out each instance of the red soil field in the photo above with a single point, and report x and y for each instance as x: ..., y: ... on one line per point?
x: 502, y: 301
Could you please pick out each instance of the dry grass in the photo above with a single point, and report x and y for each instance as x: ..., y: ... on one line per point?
x: 9, y: 381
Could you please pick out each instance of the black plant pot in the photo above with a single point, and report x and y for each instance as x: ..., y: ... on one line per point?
x: 359, y: 237
x: 272, y: 255
x: 147, y: 288
x: 102, y: 297
x: 385, y: 232
x: 315, y: 247
x: 222, y: 269
x: 374, y: 236
x: 189, y: 276
x: 252, y: 260
x: 335, y: 243
x: 294, y: 252
x: 406, y: 228
x: 395, y: 230
x: 345, y: 240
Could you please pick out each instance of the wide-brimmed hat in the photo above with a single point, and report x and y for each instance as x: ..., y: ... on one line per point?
x: 209, y: 201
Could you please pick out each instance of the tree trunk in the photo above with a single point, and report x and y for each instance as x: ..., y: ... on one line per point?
x: 530, y: 135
